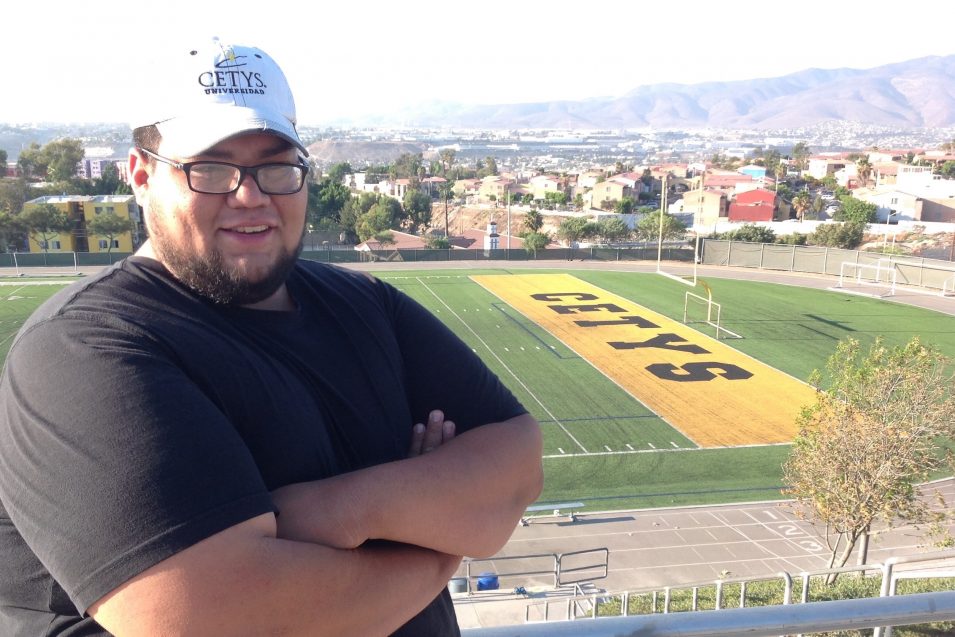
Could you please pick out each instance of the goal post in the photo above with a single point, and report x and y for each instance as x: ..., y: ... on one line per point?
x: 709, y: 312
x: 879, y: 275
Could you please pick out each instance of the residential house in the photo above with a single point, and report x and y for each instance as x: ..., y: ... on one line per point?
x: 915, y: 194
x: 754, y: 171
x: 935, y: 157
x: 541, y: 185
x: 606, y: 193
x: 432, y: 185
x: 588, y: 179
x: 888, y: 156
x: 81, y: 209
x: 885, y: 173
x: 848, y: 176
x: 753, y: 205
x: 399, y: 241
x: 822, y: 166
x: 708, y: 207
x: 680, y: 171
x: 401, y: 187
x: 496, y: 188
x: 92, y: 168
x: 466, y: 188
x: 935, y: 210
x: 728, y: 181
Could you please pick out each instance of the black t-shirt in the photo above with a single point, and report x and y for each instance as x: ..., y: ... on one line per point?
x: 137, y: 419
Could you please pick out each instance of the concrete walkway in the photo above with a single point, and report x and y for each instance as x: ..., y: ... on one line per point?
x: 661, y: 547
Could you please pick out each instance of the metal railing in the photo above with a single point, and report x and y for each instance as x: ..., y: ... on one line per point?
x: 763, y: 621
x: 555, y: 571
x: 887, y: 588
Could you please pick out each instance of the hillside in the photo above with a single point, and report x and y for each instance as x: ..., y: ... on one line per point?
x: 913, y: 94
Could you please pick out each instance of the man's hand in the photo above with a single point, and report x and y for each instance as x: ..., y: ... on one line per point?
x: 339, y: 524
x: 425, y: 438
x: 495, y: 471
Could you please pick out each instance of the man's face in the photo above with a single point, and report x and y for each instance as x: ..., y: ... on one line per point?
x: 236, y: 248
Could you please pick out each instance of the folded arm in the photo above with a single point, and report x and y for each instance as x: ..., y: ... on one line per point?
x: 246, y: 581
x: 464, y: 497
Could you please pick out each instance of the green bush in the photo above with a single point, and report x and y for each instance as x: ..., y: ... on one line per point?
x: 847, y: 235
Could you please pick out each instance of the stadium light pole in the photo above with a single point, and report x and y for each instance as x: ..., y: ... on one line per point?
x: 663, y: 208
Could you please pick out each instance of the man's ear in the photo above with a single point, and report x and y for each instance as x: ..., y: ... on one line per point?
x: 138, y: 174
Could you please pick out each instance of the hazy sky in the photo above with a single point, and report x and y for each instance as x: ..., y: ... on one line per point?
x: 76, y: 62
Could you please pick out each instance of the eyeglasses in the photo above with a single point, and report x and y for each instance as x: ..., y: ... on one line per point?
x: 221, y: 178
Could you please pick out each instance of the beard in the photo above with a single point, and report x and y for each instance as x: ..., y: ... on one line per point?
x: 209, y: 276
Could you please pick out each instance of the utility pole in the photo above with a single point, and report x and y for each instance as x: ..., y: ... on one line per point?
x: 446, y: 193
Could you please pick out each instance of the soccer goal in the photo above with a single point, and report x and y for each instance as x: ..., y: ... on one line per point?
x: 948, y: 287
x: 882, y: 275
x: 699, y: 309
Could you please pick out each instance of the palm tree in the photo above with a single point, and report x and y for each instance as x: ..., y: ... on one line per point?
x: 864, y: 170
x: 801, y: 204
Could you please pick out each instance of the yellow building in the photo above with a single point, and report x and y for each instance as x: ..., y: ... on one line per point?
x: 81, y: 209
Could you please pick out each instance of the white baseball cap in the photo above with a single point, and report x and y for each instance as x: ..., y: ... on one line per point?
x: 205, y: 95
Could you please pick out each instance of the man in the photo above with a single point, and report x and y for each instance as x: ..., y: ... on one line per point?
x: 212, y: 437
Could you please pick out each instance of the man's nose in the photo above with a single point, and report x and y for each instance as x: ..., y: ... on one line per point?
x: 249, y: 194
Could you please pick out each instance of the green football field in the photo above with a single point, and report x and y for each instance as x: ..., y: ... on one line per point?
x: 602, y: 446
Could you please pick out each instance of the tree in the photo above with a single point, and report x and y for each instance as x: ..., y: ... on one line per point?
x: 869, y: 440
x: 109, y: 226
x: 574, y: 229
x: 108, y: 183
x: 417, y: 207
x: 437, y: 243
x: 801, y: 204
x: 612, y: 229
x: 648, y: 228
x: 847, y: 235
x: 61, y: 157
x: 625, y: 205
x: 446, y: 191
x: 864, y: 170
x: 352, y: 211
x: 337, y: 172
x: 533, y: 221
x: 447, y: 159
x: 385, y: 238
x: 947, y: 170
x: 12, y: 230
x: 752, y: 233
x: 407, y: 165
x: 45, y: 222
x: 30, y: 163
x: 534, y: 241
x: 783, y: 191
x: 326, y: 199
x: 487, y: 167
x: 378, y: 219
x: 13, y: 194
x: 773, y: 162
x: 3, y: 163
x: 856, y: 211
x: 801, y: 155
x: 554, y: 200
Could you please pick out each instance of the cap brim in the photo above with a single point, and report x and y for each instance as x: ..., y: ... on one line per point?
x: 192, y: 135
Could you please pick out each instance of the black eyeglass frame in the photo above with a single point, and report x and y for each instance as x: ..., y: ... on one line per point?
x: 187, y: 167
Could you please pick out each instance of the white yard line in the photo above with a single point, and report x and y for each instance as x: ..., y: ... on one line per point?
x: 506, y: 367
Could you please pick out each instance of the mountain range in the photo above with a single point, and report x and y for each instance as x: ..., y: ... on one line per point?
x: 918, y: 93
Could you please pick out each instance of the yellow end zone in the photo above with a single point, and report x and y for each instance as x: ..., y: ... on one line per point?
x: 712, y: 393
